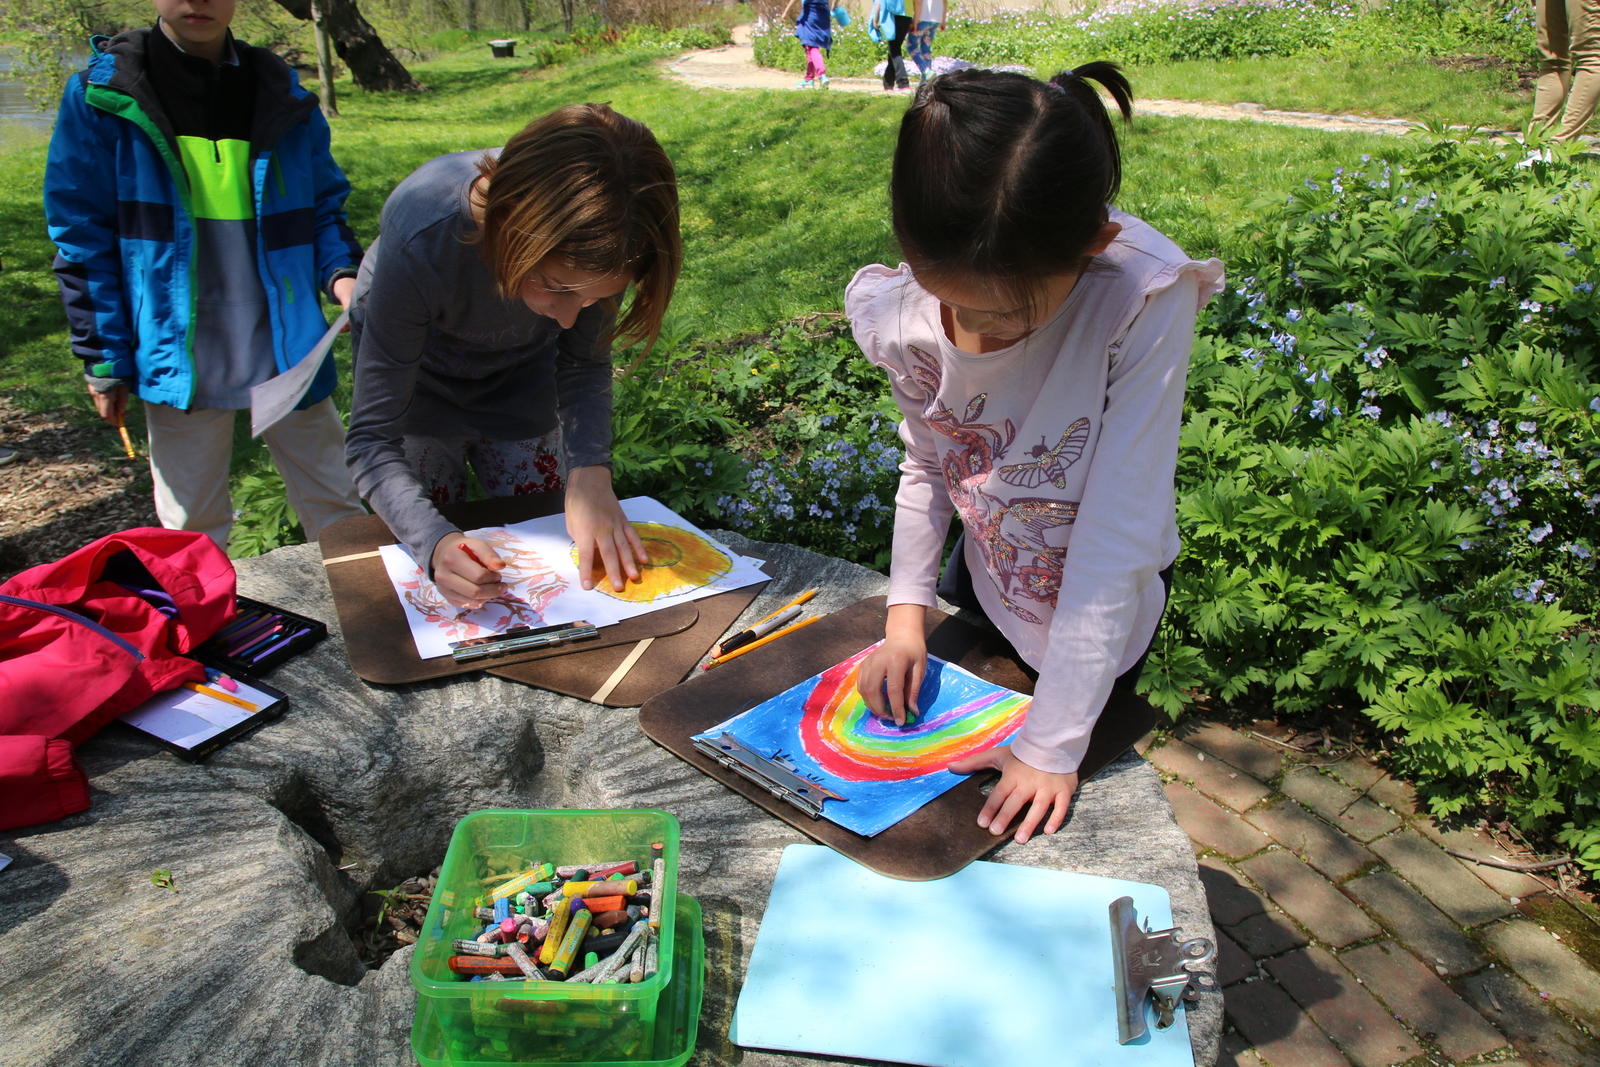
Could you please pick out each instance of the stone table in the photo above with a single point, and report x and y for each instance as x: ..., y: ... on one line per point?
x: 273, y: 841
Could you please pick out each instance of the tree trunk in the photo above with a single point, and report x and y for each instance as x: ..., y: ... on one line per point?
x: 330, y: 104
x: 566, y: 16
x: 371, y: 64
x: 469, y: 15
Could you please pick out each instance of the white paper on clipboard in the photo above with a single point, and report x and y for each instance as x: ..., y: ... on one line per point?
x: 276, y: 397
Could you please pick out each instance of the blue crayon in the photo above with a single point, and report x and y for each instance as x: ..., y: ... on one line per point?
x: 502, y: 909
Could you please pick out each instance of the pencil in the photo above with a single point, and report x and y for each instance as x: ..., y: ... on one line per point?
x: 801, y: 599
x: 206, y: 690
x: 127, y: 442
x: 742, y: 649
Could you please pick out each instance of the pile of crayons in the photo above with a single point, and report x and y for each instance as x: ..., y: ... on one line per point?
x: 259, y: 633
x: 593, y: 923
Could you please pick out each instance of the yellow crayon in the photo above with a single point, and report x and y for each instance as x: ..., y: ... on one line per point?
x: 606, y: 888
x: 560, y: 915
x: 577, y: 928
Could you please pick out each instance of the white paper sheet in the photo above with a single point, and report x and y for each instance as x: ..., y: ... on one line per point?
x: 542, y: 578
x: 189, y: 719
x: 276, y: 397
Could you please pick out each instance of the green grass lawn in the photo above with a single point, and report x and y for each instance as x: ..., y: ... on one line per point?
x: 784, y: 194
x: 1401, y: 87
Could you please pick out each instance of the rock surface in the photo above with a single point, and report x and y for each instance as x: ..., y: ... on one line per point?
x: 249, y: 960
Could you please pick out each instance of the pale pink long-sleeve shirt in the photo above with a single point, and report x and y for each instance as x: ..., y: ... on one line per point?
x: 1065, y: 440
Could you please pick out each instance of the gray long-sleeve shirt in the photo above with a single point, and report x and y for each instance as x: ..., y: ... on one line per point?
x: 439, y: 353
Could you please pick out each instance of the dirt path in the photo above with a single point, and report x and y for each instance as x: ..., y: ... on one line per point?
x: 734, y: 67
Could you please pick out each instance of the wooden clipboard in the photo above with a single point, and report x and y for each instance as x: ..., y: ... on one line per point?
x: 940, y: 838
x: 378, y: 639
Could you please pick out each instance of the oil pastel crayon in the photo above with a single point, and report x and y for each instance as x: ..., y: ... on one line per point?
x: 605, y: 920
x: 636, y: 965
x: 610, y: 967
x: 605, y: 889
x: 604, y: 903
x: 478, y: 948
x: 652, y: 955
x: 502, y: 910
x: 658, y: 877
x: 590, y: 959
x: 524, y: 962
x: 561, y: 966
x: 560, y: 916
x: 485, y: 965
x: 239, y: 623
x: 596, y: 870
x: 247, y: 637
x: 486, y: 914
x: 539, y: 872
x: 588, y: 973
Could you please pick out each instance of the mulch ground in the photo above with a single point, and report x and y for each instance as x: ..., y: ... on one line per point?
x: 63, y: 490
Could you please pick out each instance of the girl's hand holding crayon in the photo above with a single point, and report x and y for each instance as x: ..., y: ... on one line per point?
x: 1020, y: 786
x: 596, y: 524
x: 891, y: 677
x: 466, y: 570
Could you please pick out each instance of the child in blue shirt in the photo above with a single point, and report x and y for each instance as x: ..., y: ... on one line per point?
x: 198, y: 213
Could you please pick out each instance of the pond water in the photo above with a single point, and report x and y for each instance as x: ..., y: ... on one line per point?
x: 14, y: 103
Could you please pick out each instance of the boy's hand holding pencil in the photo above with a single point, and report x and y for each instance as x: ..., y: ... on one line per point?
x: 466, y: 570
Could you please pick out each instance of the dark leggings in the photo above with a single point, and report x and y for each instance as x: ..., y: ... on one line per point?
x: 894, y: 75
x: 956, y: 587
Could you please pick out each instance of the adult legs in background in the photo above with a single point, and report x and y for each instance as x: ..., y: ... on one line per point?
x: 189, y: 456
x: 816, y: 66
x: 308, y: 448
x: 1569, y: 65
x: 919, y: 46
x: 894, y: 75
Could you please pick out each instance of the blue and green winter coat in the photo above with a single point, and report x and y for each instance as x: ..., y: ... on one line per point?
x: 123, y: 216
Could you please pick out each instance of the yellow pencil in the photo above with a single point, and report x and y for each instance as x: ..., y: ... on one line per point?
x: 742, y: 649
x: 127, y: 442
x: 801, y: 599
x: 206, y: 690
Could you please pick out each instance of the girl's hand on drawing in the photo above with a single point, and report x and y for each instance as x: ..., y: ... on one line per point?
x: 595, y: 521
x: 897, y: 666
x: 466, y: 570
x: 112, y: 404
x: 1020, y: 785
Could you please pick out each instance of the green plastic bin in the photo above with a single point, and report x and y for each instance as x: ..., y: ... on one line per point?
x: 499, y: 839
x: 453, y: 1032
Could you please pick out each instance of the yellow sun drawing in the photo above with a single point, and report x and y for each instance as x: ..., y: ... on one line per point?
x: 679, y: 561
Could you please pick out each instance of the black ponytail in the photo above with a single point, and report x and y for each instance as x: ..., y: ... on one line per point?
x: 1006, y: 179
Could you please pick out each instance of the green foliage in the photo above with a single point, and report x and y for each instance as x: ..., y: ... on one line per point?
x: 1385, y: 482
x: 263, y: 519
x: 1146, y: 32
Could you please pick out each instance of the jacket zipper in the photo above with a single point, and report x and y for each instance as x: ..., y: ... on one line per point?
x: 73, y: 616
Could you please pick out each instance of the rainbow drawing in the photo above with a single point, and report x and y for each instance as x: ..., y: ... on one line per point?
x: 824, y: 728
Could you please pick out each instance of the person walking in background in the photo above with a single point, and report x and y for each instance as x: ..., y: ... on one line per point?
x: 889, y: 16
x: 1569, y: 65
x: 919, y: 43
x: 814, y: 27
x: 198, y: 214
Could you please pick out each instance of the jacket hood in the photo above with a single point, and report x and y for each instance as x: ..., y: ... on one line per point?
x: 280, y: 101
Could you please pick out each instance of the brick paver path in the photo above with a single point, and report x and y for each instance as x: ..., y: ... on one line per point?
x: 1348, y: 936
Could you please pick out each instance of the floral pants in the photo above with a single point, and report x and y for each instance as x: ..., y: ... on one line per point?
x: 504, y: 468
x: 919, y: 46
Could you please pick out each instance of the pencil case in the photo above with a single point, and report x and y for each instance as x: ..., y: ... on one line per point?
x: 259, y: 638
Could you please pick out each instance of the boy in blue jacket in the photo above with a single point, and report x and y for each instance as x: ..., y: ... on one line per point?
x: 197, y: 212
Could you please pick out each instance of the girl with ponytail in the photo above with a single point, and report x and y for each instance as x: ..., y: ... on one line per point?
x: 1037, y: 342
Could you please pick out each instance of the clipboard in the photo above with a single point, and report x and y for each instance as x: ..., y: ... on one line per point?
x: 378, y: 639
x: 939, y: 838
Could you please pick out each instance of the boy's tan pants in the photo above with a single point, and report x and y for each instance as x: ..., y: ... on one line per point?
x: 1569, y: 65
x: 190, y: 453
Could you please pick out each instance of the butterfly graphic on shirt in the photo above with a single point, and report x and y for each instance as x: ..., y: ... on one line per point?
x: 1009, y: 534
x: 1049, y: 464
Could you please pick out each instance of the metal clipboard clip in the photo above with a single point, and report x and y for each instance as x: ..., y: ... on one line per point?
x: 776, y: 775
x: 1150, y: 964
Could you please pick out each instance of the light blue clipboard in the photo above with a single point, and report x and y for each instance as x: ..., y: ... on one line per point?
x: 995, y: 964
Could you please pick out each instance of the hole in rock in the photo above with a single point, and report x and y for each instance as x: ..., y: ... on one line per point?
x: 392, y: 918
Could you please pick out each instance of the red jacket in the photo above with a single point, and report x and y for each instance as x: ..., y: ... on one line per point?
x: 88, y: 637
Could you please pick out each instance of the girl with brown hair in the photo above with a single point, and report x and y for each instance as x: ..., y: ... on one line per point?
x: 482, y: 326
